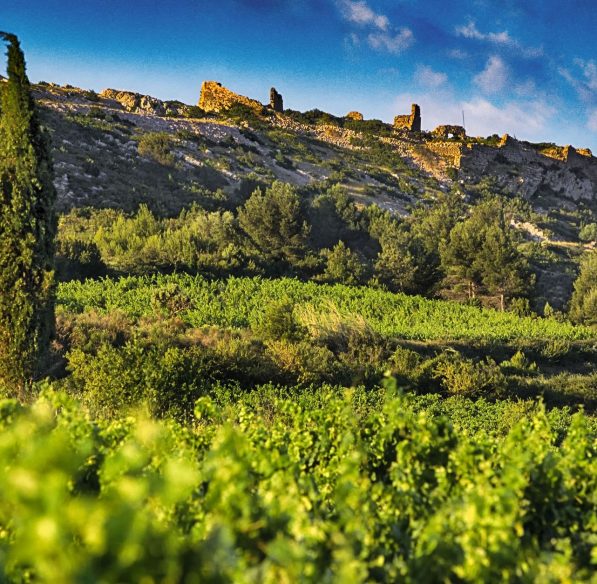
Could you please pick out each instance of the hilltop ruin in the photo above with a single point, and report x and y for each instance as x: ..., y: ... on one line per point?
x: 412, y: 122
x: 217, y: 98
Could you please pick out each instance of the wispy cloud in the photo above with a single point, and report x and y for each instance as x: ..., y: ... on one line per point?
x: 585, y: 84
x: 361, y: 13
x: 428, y: 77
x: 592, y: 120
x: 494, y: 77
x: 503, y: 39
x: 382, y: 36
x: 392, y: 43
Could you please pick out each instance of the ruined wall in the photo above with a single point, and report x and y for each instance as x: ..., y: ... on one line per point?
x: 275, y: 100
x: 446, y: 131
x: 356, y: 116
x: 216, y: 98
x: 450, y: 151
x: 412, y: 123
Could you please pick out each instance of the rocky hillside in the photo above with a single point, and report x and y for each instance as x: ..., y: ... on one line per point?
x: 119, y: 148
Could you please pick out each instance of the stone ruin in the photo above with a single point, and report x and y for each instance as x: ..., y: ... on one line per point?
x: 411, y: 123
x: 276, y: 102
x: 446, y: 132
x: 217, y: 98
x: 356, y: 116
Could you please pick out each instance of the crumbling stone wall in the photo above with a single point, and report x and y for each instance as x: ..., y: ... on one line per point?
x: 275, y: 100
x: 450, y: 151
x: 216, y: 98
x: 446, y: 132
x: 412, y: 123
x: 356, y: 116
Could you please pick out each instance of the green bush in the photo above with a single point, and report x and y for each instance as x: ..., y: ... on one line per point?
x: 157, y: 146
x: 461, y: 376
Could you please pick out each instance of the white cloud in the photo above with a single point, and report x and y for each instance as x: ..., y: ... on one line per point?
x: 586, y: 85
x: 361, y: 13
x: 592, y: 120
x: 382, y: 36
x: 427, y: 77
x: 470, y: 31
x: 458, y: 54
x: 589, y: 69
x: 494, y: 77
x: 392, y: 43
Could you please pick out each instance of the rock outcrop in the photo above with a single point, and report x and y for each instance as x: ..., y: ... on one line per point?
x: 356, y: 116
x: 135, y: 102
x: 275, y: 100
x: 412, y: 122
x: 217, y: 98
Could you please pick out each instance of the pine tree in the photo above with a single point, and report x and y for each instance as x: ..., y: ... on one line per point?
x: 583, y: 305
x: 274, y: 222
x: 504, y: 270
x: 27, y: 230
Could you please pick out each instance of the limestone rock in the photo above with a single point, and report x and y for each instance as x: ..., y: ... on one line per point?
x: 357, y: 116
x: 135, y: 102
x: 217, y: 98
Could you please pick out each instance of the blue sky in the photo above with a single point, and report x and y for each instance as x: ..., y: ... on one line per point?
x: 526, y: 67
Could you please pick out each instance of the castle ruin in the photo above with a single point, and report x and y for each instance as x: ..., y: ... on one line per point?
x: 412, y: 122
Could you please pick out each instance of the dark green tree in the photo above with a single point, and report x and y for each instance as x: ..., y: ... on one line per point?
x: 583, y: 305
x: 503, y: 269
x: 274, y: 222
x: 482, y: 250
x: 27, y: 231
x: 395, y: 266
x: 343, y: 265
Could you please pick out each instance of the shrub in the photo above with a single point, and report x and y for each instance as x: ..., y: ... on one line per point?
x: 556, y: 349
x: 462, y: 376
x: 277, y: 322
x: 305, y: 362
x: 157, y: 146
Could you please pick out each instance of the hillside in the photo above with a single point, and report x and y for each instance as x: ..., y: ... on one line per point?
x: 98, y: 163
x: 119, y: 149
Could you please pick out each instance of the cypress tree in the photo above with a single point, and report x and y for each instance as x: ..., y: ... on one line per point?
x: 27, y: 231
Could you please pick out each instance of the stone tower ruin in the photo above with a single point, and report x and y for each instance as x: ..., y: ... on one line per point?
x: 275, y: 100
x: 411, y: 122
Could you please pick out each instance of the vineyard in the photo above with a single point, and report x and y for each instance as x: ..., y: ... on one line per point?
x: 299, y: 486
x: 239, y: 302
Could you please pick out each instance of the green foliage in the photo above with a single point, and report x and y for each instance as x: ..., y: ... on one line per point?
x: 27, y: 230
x: 274, y: 222
x: 317, y: 486
x: 583, y: 305
x: 237, y: 302
x: 157, y: 146
x: 343, y: 265
x: 461, y: 376
x: 482, y: 250
x: 588, y: 232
